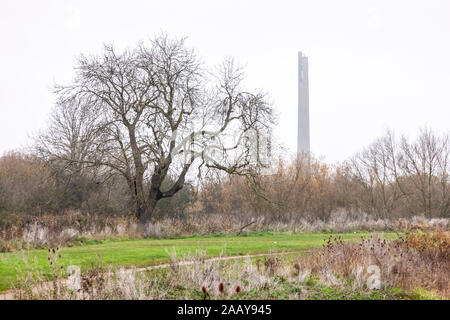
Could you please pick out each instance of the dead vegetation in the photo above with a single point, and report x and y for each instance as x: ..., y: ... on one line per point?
x: 75, y: 228
x: 416, y: 260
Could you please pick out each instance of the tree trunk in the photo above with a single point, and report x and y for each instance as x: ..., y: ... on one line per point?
x: 147, y: 212
x: 141, y: 210
x: 145, y: 208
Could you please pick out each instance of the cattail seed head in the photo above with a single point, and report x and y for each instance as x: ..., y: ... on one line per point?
x: 204, y: 289
x: 221, y: 287
x: 238, y: 289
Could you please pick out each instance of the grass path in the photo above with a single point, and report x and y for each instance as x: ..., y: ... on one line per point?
x: 9, y: 294
x: 147, y: 252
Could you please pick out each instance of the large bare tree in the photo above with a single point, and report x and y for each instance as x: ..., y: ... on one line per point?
x: 154, y: 111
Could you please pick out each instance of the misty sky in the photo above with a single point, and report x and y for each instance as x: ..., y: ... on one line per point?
x: 372, y: 64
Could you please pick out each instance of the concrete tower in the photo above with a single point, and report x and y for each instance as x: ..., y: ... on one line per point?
x: 303, y: 105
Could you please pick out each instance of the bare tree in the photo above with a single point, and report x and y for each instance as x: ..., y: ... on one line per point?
x: 405, y: 176
x: 376, y: 168
x: 425, y: 163
x: 154, y: 111
x: 444, y: 176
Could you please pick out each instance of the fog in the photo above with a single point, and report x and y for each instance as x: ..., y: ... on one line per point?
x: 372, y: 64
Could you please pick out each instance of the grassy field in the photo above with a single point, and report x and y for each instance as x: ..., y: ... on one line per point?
x: 146, y: 252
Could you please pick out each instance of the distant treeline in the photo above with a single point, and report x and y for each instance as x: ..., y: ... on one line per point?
x: 392, y: 178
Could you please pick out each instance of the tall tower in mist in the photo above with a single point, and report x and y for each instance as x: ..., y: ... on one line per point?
x: 303, y: 105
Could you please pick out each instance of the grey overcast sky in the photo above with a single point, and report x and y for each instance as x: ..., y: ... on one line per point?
x: 373, y: 64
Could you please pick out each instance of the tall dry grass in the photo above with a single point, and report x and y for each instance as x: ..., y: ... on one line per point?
x: 50, y: 230
x: 417, y: 260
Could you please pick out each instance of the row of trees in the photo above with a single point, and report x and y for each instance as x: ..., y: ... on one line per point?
x: 391, y: 178
x: 403, y: 176
x: 32, y: 186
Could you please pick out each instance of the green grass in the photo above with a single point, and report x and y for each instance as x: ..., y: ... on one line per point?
x: 147, y: 252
